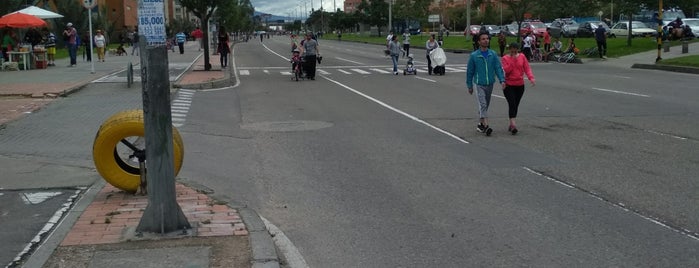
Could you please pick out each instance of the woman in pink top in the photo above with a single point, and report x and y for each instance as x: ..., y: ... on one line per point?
x: 515, y: 66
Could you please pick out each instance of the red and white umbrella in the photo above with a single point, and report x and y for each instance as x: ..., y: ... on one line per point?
x: 21, y: 20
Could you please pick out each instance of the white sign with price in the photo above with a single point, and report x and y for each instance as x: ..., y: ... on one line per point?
x: 151, y: 21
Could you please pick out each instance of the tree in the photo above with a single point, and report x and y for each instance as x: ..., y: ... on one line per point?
x: 203, y: 9
x: 374, y: 13
x: 519, y: 8
x: 235, y: 15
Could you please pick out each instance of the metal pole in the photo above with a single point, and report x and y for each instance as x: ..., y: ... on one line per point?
x: 390, y: 15
x: 468, y: 16
x: 660, y: 29
x: 612, y: 14
x: 92, y: 62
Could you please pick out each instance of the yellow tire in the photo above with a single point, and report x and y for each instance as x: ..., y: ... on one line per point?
x: 114, y: 160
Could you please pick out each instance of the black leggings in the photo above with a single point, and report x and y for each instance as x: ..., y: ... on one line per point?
x: 429, y: 64
x: 513, y: 94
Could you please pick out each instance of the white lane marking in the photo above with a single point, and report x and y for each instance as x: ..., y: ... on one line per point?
x: 622, y: 206
x: 498, y: 96
x: 37, y: 198
x: 181, y: 100
x: 380, y: 71
x: 397, y: 110
x: 355, y: 62
x: 179, y: 114
x: 625, y: 77
x: 665, y: 134
x: 293, y: 257
x: 177, y: 119
x: 621, y: 92
x: 454, y: 69
x: 322, y: 71
x: 360, y: 71
x: 244, y: 72
x: 425, y: 79
x: 343, y: 71
x: 265, y: 71
x: 285, y: 73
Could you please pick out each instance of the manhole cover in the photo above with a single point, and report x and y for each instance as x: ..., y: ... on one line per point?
x: 287, y: 126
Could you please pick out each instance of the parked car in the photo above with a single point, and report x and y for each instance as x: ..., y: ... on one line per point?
x: 693, y: 24
x: 472, y: 30
x: 535, y: 26
x: 510, y: 29
x: 492, y: 29
x: 637, y: 29
x: 587, y: 29
x: 563, y: 27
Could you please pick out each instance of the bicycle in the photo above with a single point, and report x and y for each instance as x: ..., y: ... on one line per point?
x: 591, y: 52
x: 297, y: 66
x: 537, y: 55
x: 566, y: 57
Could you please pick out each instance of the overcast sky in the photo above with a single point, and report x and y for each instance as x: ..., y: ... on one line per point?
x: 293, y: 7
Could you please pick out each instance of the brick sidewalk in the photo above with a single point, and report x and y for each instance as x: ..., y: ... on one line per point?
x: 113, y: 211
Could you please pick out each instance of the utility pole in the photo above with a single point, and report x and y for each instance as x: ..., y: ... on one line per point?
x: 660, y: 29
x: 390, y: 15
x: 468, y: 16
x: 162, y: 214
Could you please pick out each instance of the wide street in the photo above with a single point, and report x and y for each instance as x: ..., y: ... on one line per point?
x: 363, y: 168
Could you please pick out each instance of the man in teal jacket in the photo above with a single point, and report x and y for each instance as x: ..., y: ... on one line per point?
x: 483, y: 65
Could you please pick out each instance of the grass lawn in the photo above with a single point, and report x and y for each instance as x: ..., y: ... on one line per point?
x: 691, y: 61
x: 616, y: 47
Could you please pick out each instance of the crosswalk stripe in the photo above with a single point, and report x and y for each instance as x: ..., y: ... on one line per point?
x: 244, y: 72
x: 323, y: 72
x: 360, y: 71
x: 343, y: 71
x: 285, y: 73
x: 379, y: 70
x: 454, y: 69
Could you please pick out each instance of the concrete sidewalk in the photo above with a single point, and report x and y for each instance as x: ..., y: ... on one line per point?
x: 99, y: 228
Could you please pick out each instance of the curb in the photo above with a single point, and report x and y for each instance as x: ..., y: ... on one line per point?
x: 669, y: 68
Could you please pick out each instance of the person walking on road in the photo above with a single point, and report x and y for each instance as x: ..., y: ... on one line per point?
x: 71, y: 35
x: 430, y: 45
x: 223, y: 48
x: 406, y: 43
x: 394, y: 48
x: 515, y: 66
x: 180, y: 37
x: 100, y: 44
x: 601, y: 38
x: 483, y: 65
x: 310, y: 52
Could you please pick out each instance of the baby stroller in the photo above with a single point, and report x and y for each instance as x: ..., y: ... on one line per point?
x: 409, y: 67
x: 439, y: 59
x: 296, y: 65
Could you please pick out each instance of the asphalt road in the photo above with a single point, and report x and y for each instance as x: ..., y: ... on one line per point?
x: 362, y: 168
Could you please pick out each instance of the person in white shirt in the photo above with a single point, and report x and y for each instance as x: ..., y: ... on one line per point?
x: 527, y: 47
x: 100, y: 44
x: 406, y: 43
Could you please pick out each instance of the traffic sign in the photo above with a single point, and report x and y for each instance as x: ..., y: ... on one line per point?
x: 433, y: 18
x: 151, y: 21
x: 89, y: 4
